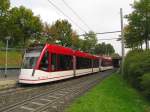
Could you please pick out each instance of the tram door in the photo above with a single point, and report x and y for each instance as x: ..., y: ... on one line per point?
x: 53, y: 62
x: 44, y: 64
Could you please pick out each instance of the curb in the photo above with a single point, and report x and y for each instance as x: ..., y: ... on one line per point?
x: 6, y: 84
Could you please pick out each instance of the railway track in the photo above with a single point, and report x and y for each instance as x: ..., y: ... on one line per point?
x: 51, y: 98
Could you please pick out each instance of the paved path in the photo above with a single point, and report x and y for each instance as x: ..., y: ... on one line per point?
x: 10, y: 80
x: 11, y: 74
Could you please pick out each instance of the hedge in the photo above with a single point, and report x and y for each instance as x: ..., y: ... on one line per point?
x: 137, y: 69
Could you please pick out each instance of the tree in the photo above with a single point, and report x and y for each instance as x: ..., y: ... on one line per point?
x: 48, y: 34
x: 99, y: 49
x: 76, y: 41
x: 89, y: 42
x: 139, y: 24
x: 22, y: 25
x: 103, y: 48
x: 61, y: 32
x: 4, y: 11
x: 132, y: 39
x: 109, y: 49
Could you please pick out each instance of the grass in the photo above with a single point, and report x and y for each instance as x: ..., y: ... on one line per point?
x: 111, y: 95
x: 14, y: 59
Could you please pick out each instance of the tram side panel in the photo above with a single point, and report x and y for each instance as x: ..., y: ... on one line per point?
x: 83, y: 66
x: 96, y: 65
x: 106, y: 64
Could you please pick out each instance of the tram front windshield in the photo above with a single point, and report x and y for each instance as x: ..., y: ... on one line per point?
x: 30, y: 60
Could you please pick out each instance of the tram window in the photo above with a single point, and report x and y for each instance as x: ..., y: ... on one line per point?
x: 53, y: 62
x: 65, y: 62
x: 44, y: 62
x: 103, y: 63
x: 106, y: 63
x: 29, y: 62
x: 95, y: 63
x: 83, y: 63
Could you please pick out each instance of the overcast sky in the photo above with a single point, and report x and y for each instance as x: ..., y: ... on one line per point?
x: 99, y: 15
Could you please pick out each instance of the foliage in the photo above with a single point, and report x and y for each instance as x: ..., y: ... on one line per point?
x: 4, y: 12
x: 76, y: 41
x: 111, y: 95
x: 132, y: 39
x: 89, y: 42
x: 47, y: 36
x: 137, y: 63
x: 137, y: 31
x: 61, y: 32
x: 103, y: 48
x: 146, y: 84
x: 1, y: 44
x: 19, y: 23
x: 23, y: 24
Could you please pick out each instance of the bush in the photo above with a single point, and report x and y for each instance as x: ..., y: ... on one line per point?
x: 146, y: 84
x: 2, y: 44
x: 136, y: 64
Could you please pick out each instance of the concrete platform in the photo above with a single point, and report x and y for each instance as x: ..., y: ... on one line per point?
x: 10, y: 80
x: 7, y: 83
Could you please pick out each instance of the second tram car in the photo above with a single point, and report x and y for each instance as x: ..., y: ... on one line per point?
x: 54, y: 62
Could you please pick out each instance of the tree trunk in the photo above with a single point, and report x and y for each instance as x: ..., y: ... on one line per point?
x: 146, y: 43
x: 141, y: 45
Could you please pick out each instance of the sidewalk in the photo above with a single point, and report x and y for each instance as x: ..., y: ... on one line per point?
x: 9, y: 81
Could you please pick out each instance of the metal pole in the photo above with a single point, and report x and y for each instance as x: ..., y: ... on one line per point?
x: 6, y: 58
x: 122, y: 40
x: 106, y: 51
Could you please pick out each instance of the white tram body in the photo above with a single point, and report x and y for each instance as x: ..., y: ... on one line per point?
x: 54, y: 62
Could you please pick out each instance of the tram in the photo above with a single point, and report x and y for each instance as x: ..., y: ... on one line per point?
x: 54, y: 62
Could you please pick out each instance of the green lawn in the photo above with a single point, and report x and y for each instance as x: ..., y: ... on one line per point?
x: 14, y: 59
x: 111, y: 95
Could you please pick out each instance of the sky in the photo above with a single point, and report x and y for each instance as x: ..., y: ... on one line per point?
x: 99, y: 15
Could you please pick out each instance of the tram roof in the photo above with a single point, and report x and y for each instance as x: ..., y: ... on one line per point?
x: 53, y: 48
x: 83, y: 54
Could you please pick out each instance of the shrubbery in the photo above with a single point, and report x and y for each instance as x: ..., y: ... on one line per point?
x: 146, y: 84
x: 137, y: 70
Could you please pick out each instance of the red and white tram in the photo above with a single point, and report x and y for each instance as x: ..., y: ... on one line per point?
x: 106, y: 63
x: 54, y: 62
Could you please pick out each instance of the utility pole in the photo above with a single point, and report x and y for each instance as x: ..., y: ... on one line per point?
x: 122, y: 40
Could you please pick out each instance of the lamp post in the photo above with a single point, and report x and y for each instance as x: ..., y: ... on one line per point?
x: 7, y: 39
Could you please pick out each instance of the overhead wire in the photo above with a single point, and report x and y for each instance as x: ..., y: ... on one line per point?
x: 65, y: 15
x: 75, y: 13
x: 102, y: 33
x: 110, y: 39
x: 80, y: 20
x: 118, y: 39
